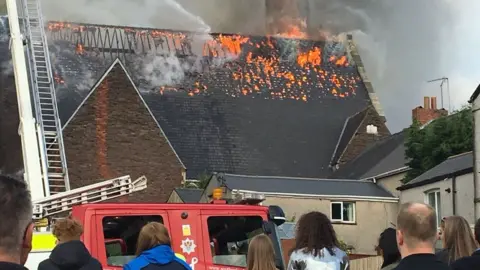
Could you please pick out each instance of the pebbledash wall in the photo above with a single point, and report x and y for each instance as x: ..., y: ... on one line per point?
x: 113, y: 134
x: 371, y: 218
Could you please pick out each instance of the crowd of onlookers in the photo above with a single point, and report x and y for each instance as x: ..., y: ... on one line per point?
x: 411, y: 245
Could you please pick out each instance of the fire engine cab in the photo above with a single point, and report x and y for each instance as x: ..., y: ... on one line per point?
x: 208, y: 235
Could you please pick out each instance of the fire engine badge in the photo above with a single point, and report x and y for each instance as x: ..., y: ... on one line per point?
x: 188, y: 246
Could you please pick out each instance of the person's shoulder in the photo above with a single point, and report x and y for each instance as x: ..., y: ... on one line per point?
x: 174, y: 265
x: 470, y: 262
x: 94, y: 264
x: 47, y: 265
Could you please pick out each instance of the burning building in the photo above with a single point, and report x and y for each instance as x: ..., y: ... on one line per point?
x: 173, y: 105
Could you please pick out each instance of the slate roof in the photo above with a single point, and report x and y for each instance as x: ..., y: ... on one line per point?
x: 254, y: 123
x: 305, y: 186
x: 387, y: 155
x: 453, y: 166
x: 189, y: 195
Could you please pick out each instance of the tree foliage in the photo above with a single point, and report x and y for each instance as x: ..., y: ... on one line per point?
x: 201, y: 183
x: 431, y: 145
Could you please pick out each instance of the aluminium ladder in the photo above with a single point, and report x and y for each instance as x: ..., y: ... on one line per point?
x: 49, y: 131
x: 98, y: 192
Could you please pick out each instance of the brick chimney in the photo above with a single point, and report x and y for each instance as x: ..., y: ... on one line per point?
x: 428, y: 112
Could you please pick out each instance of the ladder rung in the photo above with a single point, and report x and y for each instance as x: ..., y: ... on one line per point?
x: 52, y: 174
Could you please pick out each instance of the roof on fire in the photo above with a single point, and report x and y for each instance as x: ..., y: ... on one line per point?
x: 303, y: 186
x: 240, y: 116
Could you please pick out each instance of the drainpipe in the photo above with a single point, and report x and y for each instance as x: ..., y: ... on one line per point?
x: 475, y: 166
x: 454, y: 196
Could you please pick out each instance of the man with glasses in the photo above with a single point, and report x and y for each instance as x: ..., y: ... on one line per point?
x: 16, y: 226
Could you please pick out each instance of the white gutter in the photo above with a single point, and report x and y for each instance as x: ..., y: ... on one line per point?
x: 389, y: 173
x: 317, y: 196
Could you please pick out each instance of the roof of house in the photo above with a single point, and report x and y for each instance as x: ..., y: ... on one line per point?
x: 475, y: 94
x: 377, y: 160
x: 453, y: 166
x: 189, y: 195
x: 304, y: 186
x: 260, y: 113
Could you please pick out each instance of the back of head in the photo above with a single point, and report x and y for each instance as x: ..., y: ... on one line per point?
x: 151, y: 235
x: 67, y: 229
x: 417, y: 223
x: 15, y: 216
x: 388, y: 244
x: 458, y: 238
x: 315, y: 232
x: 261, y: 255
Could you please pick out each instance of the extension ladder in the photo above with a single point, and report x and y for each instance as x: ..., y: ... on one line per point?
x: 98, y: 192
x: 52, y: 152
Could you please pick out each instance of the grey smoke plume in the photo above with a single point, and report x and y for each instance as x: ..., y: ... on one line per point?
x: 403, y: 43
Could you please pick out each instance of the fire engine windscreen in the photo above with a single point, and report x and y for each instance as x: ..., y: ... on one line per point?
x: 230, y: 236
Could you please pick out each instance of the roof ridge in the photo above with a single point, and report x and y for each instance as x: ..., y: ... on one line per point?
x: 459, y: 155
x: 298, y: 178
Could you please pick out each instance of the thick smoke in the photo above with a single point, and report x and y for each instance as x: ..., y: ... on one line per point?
x: 403, y: 43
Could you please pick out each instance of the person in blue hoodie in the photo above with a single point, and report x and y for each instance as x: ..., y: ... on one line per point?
x: 154, y: 251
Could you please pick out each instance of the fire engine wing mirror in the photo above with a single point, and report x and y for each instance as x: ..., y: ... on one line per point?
x: 276, y: 214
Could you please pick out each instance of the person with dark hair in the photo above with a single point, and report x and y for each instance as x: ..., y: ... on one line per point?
x: 70, y: 253
x: 389, y: 249
x: 16, y: 226
x: 316, y: 245
x: 416, y: 237
x: 470, y: 262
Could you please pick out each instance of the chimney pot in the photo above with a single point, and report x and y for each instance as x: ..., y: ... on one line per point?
x: 426, y: 103
x: 434, y: 103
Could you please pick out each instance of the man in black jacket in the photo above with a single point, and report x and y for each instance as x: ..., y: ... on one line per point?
x: 416, y: 236
x: 16, y: 226
x: 471, y: 262
x: 70, y: 253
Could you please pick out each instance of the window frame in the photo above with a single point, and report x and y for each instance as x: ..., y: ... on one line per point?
x: 438, y: 201
x: 205, y: 214
x: 342, y: 220
x: 100, y: 239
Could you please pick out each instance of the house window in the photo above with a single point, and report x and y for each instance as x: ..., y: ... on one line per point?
x: 343, y: 212
x: 433, y: 199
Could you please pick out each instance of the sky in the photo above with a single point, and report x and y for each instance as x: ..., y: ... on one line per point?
x: 403, y: 43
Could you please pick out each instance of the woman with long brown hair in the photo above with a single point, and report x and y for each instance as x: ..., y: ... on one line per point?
x: 457, y: 239
x: 154, y: 251
x: 261, y: 255
x: 316, y: 245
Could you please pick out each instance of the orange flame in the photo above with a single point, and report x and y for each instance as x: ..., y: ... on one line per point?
x: 79, y: 49
x: 58, y: 79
